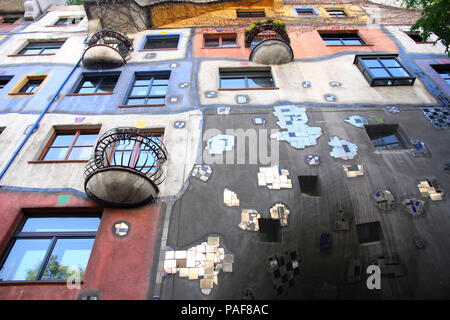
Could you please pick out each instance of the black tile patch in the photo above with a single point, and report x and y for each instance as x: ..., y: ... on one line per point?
x: 283, y: 271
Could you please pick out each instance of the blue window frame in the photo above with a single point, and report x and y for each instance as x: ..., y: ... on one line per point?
x: 97, y: 83
x: 443, y: 70
x: 246, y: 79
x: 54, y: 247
x: 341, y: 39
x: 41, y: 48
x: 306, y: 11
x: 148, y: 89
x: 384, y: 70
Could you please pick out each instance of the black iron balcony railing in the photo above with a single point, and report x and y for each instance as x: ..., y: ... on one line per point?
x: 108, y: 38
x: 126, y: 150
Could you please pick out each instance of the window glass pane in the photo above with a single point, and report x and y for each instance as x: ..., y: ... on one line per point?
x: 229, y: 42
x: 231, y: 83
x: 353, y: 42
x: 24, y: 259
x: 139, y: 91
x: 146, y: 159
x: 131, y: 102
x: 158, y: 91
x: 107, y: 84
x: 56, y: 154
x: 87, y: 90
x: 371, y: 63
x: 86, y: 139
x: 379, y: 73
x: 30, y: 51
x: 49, y: 51
x: 68, y: 257
x: 142, y: 81
x: 125, y: 145
x: 390, y: 63
x: 62, y: 140
x: 260, y: 82
x: 121, y: 158
x: 398, y: 72
x: 90, y: 82
x: 80, y: 153
x: 160, y: 81
x: 330, y: 42
x: 61, y: 224
x: 156, y: 101
x: 211, y: 42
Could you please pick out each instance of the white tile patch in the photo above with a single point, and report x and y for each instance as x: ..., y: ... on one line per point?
x: 342, y: 149
x: 294, y: 120
x: 230, y: 198
x: 274, y: 178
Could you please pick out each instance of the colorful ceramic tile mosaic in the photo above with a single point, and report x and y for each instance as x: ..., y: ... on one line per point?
x: 439, y: 117
x: 357, y: 121
x: 220, y: 143
x: 274, y: 178
x: 202, y: 172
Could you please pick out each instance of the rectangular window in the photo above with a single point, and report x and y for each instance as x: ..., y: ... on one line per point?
x: 50, y: 248
x: 97, y: 83
x: 246, y: 79
x: 250, y: 13
x: 341, y: 39
x: 306, y: 11
x: 336, y: 13
x: 220, y: 40
x: 9, y: 20
x: 4, y: 80
x: 162, y: 42
x: 37, y: 48
x: 415, y: 36
x: 443, y: 70
x: 136, y: 154
x: 149, y: 90
x: 31, y: 86
x: 70, y: 145
x: 385, y: 70
x: 385, y: 136
x: 67, y: 21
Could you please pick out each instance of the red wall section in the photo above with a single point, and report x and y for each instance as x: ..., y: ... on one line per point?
x: 118, y: 268
x: 305, y: 42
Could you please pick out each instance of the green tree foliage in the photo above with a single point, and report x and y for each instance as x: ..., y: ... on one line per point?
x: 53, y: 271
x: 74, y: 2
x: 435, y: 19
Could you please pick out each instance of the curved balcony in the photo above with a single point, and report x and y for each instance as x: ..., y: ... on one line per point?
x: 270, y: 43
x: 107, y: 49
x: 125, y: 170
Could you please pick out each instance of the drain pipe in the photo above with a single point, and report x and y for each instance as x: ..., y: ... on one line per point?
x: 30, y: 132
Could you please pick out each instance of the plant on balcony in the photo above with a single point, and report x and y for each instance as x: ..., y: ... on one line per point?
x: 255, y: 28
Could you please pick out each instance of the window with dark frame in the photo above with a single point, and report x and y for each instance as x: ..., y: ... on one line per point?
x: 148, y: 89
x: 4, y: 80
x: 220, y: 40
x: 250, y: 13
x: 9, y: 20
x: 443, y: 70
x: 385, y: 136
x: 162, y: 42
x: 305, y: 12
x: 134, y: 154
x: 246, y: 79
x: 31, y: 86
x: 97, y: 83
x: 70, y: 145
x: 384, y: 70
x: 37, y: 48
x: 67, y: 21
x: 53, y: 247
x: 341, y: 39
x: 336, y: 13
x: 415, y: 36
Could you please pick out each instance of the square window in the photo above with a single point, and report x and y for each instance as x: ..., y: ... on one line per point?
x: 69, y: 145
x: 341, y: 39
x: 245, y: 79
x: 309, y: 185
x: 97, y: 83
x: 50, y: 248
x: 385, y: 136
x: 369, y: 232
x: 150, y: 89
x: 220, y: 40
x: 161, y: 42
x: 336, y: 13
x: 38, y: 48
x: 384, y: 70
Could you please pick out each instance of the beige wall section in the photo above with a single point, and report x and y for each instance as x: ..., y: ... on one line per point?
x: 182, y: 146
x: 14, y: 126
x: 410, y: 46
x: 161, y: 55
x: 289, y: 77
x: 40, y: 31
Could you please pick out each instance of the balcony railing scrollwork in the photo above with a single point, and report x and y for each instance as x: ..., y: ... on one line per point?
x: 126, y: 167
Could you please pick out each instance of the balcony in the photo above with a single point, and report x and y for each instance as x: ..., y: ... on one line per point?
x: 107, y: 49
x: 126, y: 168
x: 269, y: 42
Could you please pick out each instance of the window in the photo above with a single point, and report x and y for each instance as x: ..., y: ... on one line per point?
x: 28, y: 85
x: 9, y: 20
x: 161, y: 42
x: 306, y: 11
x: 31, y: 86
x: 341, y: 39
x: 220, y: 40
x: 443, y: 70
x: 148, y: 89
x: 336, y: 13
x: 50, y: 248
x: 36, y: 48
x: 384, y: 70
x: 134, y: 154
x: 97, y: 84
x: 4, y: 80
x: 67, y: 21
x: 250, y: 13
x: 415, y: 36
x: 385, y: 136
x: 246, y: 79
x: 70, y: 145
